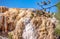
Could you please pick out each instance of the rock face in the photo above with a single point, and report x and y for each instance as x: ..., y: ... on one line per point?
x: 3, y: 9
x: 29, y: 24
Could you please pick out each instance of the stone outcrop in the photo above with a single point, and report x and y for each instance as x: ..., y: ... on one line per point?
x: 29, y: 24
x: 3, y: 9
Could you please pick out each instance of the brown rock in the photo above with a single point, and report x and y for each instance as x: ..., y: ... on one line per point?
x: 3, y: 9
x: 27, y: 24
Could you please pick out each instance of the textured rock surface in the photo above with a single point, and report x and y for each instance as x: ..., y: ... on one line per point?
x: 3, y: 37
x: 29, y: 24
x: 3, y: 9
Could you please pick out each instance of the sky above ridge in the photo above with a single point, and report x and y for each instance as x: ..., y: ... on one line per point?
x: 26, y: 4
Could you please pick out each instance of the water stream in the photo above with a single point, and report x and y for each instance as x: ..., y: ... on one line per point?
x: 29, y: 31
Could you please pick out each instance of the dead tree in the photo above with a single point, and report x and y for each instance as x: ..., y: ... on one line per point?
x: 44, y: 3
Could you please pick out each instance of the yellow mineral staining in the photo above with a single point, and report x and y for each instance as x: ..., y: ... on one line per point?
x: 29, y: 23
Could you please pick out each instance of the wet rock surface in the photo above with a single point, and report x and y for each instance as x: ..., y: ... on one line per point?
x: 28, y: 24
x: 3, y: 37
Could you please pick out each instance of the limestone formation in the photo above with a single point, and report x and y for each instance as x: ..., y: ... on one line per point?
x: 29, y: 24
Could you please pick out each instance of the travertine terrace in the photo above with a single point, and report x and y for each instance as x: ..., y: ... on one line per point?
x: 27, y: 23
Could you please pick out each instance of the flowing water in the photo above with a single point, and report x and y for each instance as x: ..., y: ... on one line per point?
x: 29, y: 31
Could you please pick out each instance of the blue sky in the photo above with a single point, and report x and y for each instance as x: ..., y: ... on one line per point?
x: 26, y: 4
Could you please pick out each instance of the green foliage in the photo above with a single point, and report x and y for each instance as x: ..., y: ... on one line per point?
x: 57, y: 15
x: 58, y: 5
x: 10, y: 36
x: 57, y: 31
x: 32, y: 15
